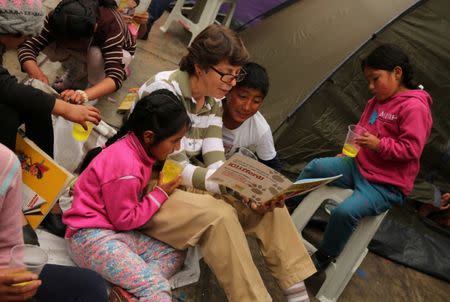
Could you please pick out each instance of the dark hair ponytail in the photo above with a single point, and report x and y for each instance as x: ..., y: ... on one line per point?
x: 162, y: 112
x: 389, y: 56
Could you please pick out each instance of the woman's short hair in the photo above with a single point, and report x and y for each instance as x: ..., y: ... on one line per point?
x: 213, y: 45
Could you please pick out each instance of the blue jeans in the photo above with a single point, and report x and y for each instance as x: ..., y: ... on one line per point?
x: 368, y: 199
x: 155, y: 10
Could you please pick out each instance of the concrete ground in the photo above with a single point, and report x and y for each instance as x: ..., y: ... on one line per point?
x: 376, y: 280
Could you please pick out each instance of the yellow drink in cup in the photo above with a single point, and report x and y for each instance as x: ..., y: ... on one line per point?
x: 349, y: 150
x: 171, y: 170
x: 79, y: 133
x: 21, y: 283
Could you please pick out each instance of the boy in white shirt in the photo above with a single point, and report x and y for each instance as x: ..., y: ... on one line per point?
x: 243, y: 125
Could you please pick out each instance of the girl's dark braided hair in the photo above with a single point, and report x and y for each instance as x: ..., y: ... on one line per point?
x: 387, y: 57
x: 162, y: 112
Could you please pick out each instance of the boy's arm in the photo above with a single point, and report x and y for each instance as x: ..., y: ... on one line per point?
x: 273, y: 163
x: 265, y: 150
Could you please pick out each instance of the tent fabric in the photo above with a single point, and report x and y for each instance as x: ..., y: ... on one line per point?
x: 419, y: 246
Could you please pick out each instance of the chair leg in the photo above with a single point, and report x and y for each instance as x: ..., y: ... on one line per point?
x: 174, y: 15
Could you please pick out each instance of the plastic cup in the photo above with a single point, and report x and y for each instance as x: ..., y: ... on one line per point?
x: 351, y: 148
x: 247, y: 152
x: 30, y: 257
x: 79, y: 133
x: 171, y: 170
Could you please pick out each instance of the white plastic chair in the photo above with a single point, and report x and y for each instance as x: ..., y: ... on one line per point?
x: 204, y: 13
x: 338, y: 274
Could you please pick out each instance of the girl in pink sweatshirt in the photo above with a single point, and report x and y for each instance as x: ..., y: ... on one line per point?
x: 398, y: 122
x: 110, y: 201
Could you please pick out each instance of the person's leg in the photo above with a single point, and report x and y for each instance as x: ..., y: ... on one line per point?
x: 70, y: 284
x: 159, y: 255
x: 189, y: 219
x: 39, y: 129
x: 326, y: 167
x: 95, y: 65
x: 155, y: 11
x: 74, y: 62
x: 9, y: 122
x: 281, y: 246
x: 114, y: 256
x: 368, y: 199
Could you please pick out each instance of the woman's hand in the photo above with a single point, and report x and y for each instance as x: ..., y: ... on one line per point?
x: 168, y: 187
x: 77, y: 113
x: 368, y: 140
x: 74, y: 96
x: 10, y: 292
x: 263, y: 208
x: 34, y: 71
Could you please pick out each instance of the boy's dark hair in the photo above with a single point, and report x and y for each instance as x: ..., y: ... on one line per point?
x: 212, y: 45
x: 256, y: 77
x: 387, y: 57
x: 161, y: 112
x: 76, y: 19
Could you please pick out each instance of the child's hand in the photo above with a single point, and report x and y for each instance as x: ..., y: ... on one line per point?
x: 368, y: 140
x: 11, y: 292
x: 170, y: 186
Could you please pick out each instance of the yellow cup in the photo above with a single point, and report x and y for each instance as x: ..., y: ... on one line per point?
x: 79, y: 133
x: 171, y: 170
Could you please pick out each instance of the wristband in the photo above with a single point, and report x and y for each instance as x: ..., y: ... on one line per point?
x: 83, y: 94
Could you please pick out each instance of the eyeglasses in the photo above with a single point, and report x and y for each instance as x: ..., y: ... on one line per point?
x: 228, y: 77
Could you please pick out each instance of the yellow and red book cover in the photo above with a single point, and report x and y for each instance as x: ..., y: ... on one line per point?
x: 44, y: 180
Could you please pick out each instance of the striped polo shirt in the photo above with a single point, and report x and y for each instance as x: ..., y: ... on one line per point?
x: 205, y: 136
x: 111, y: 36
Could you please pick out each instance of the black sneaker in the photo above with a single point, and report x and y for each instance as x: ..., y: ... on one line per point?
x: 321, y: 260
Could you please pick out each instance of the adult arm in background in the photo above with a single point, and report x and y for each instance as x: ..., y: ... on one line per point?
x: 31, y: 101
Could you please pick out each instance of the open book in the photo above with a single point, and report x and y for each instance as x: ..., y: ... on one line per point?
x: 260, y: 183
x: 43, y: 180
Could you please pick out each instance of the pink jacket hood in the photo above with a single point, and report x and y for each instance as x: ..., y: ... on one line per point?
x: 403, y: 124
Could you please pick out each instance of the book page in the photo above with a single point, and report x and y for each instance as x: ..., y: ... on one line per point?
x: 43, y: 177
x: 250, y: 178
x: 306, y: 185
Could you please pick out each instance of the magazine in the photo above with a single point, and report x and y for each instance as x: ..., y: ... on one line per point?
x: 261, y: 183
x: 43, y: 180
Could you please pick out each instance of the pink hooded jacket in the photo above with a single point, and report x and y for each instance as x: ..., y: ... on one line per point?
x: 403, y: 124
x: 110, y: 193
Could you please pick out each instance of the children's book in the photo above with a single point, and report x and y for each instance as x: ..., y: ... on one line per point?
x: 128, y: 101
x: 261, y: 183
x: 43, y: 180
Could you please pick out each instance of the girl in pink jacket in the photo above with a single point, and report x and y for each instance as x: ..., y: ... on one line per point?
x: 398, y: 123
x: 110, y: 201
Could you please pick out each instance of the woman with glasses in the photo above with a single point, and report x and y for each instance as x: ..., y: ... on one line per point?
x: 208, y: 72
x: 219, y: 226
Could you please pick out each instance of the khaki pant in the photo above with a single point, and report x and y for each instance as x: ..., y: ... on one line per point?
x: 219, y: 229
